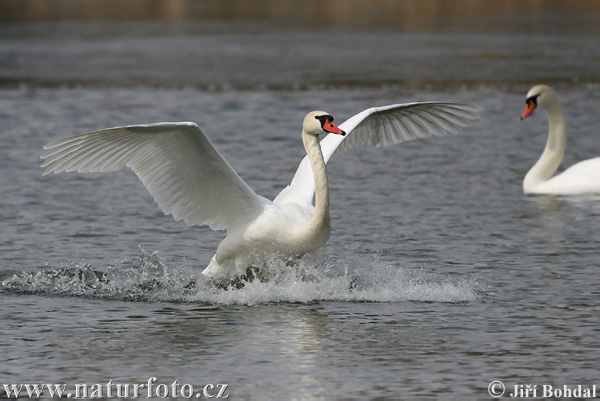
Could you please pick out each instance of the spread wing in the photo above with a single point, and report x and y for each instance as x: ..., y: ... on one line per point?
x: 382, y: 126
x: 179, y: 166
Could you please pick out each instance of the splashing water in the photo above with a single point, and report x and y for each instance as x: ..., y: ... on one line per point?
x: 309, y: 281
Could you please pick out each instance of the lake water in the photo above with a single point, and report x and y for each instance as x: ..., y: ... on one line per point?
x: 440, y: 275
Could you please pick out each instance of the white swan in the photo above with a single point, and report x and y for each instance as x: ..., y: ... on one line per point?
x: 581, y: 178
x: 189, y: 179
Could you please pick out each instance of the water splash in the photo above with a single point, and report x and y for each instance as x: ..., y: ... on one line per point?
x: 332, y: 279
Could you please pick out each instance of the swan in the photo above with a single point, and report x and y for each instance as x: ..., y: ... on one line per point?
x: 190, y: 180
x: 581, y: 178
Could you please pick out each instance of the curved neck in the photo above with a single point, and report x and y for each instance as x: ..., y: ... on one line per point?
x: 313, y: 150
x: 553, y: 152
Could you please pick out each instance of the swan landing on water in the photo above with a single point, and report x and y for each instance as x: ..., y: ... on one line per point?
x: 581, y: 178
x: 189, y: 178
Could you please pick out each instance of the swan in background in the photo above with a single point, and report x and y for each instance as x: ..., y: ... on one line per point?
x: 189, y: 178
x: 581, y: 178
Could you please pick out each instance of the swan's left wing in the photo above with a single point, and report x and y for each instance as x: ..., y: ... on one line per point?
x: 382, y: 126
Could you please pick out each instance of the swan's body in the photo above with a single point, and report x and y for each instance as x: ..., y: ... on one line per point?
x: 581, y: 178
x: 189, y: 179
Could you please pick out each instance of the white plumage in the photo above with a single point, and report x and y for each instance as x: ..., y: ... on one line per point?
x: 581, y: 178
x: 189, y: 179
x: 383, y: 126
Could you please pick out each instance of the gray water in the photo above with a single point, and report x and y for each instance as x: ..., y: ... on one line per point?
x: 440, y: 275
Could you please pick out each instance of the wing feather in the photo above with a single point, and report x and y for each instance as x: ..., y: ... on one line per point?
x: 179, y: 166
x: 382, y: 126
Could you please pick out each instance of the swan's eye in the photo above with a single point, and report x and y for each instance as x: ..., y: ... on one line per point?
x: 532, y: 99
x: 324, y: 118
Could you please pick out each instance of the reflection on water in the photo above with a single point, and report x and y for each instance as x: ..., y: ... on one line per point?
x: 556, y: 209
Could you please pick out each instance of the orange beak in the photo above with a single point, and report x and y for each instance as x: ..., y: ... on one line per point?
x: 329, y: 126
x: 528, y: 109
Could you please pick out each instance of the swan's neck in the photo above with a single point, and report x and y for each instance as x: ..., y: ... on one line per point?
x: 320, y: 218
x: 553, y: 152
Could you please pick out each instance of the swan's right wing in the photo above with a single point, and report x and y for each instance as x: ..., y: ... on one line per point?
x: 179, y: 166
x: 382, y: 126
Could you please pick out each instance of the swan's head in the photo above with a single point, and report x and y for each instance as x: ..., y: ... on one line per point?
x: 319, y: 122
x: 539, y: 95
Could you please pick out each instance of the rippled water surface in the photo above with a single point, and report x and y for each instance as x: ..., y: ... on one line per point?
x: 440, y: 275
